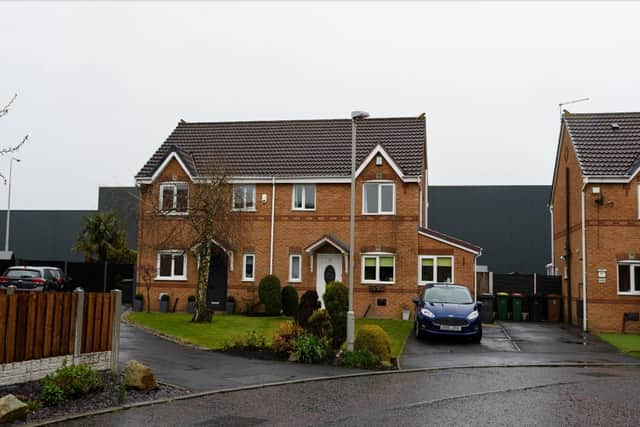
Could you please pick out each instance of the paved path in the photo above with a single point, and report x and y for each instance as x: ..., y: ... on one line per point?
x: 486, y: 396
x: 513, y: 343
x: 208, y: 370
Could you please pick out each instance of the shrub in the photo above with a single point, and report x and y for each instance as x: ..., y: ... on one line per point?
x: 191, y: 298
x: 251, y: 341
x: 308, y: 349
x: 289, y: 300
x: 50, y: 394
x: 284, y: 339
x: 336, y: 300
x: 359, y: 359
x: 320, y: 324
x: 308, y: 304
x: 269, y: 293
x: 374, y: 339
x: 74, y: 380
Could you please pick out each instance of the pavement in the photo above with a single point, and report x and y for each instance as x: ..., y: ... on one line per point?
x: 199, y: 370
x: 482, y: 396
x: 513, y: 343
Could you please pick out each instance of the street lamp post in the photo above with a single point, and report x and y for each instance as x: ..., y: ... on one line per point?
x: 351, y: 326
x: 6, y: 233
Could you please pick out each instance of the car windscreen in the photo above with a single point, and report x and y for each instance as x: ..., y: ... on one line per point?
x: 448, y: 295
x: 22, y: 274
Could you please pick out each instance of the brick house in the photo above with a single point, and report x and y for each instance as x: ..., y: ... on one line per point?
x: 595, y: 215
x: 291, y: 182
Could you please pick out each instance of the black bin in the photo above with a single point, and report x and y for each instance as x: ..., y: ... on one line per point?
x: 486, y: 311
x: 539, y: 309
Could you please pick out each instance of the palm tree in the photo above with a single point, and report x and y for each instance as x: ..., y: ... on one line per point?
x: 102, y: 239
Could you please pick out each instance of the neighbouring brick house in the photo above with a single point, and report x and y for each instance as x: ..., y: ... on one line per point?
x: 595, y: 198
x: 291, y: 181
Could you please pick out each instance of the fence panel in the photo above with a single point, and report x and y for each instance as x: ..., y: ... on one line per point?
x: 510, y: 283
x: 549, y: 285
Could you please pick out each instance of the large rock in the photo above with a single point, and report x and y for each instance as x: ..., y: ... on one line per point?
x: 12, y: 409
x: 139, y: 376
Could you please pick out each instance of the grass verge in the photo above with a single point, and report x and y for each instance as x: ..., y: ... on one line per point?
x: 626, y: 343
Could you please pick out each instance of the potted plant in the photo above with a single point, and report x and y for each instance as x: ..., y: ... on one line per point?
x: 230, y: 306
x: 164, y: 303
x: 406, y: 312
x: 138, y: 302
x: 191, y: 304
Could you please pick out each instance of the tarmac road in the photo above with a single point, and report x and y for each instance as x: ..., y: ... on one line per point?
x: 480, y: 396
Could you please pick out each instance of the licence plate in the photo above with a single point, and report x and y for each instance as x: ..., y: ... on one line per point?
x: 450, y: 328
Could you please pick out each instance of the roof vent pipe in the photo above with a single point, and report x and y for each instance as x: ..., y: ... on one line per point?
x: 615, y: 126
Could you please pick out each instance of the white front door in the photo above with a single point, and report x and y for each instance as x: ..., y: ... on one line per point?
x: 329, y: 270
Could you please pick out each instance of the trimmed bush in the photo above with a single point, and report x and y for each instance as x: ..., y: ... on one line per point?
x: 289, y: 300
x: 269, y: 293
x: 336, y: 300
x: 284, y: 339
x: 50, y: 394
x: 74, y: 380
x: 374, y: 339
x: 308, y: 349
x: 359, y: 359
x: 308, y: 304
x: 320, y: 324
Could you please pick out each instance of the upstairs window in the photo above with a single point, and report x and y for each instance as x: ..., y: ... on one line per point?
x: 304, y: 197
x: 378, y: 268
x: 244, y: 197
x: 435, y: 269
x: 174, y: 197
x: 629, y: 278
x: 172, y: 265
x: 378, y: 198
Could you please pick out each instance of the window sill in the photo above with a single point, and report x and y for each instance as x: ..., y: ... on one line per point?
x: 170, y: 213
x: 303, y: 210
x: 629, y: 294
x: 171, y: 279
x: 379, y: 214
x: 374, y: 283
x: 243, y: 210
x: 294, y: 282
x: 248, y: 280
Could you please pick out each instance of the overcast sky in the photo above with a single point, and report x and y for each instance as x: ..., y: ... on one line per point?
x: 102, y: 85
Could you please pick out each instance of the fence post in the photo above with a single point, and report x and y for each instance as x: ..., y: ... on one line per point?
x: 491, y: 282
x: 116, y: 294
x: 535, y: 283
x: 11, y: 289
x: 77, y: 342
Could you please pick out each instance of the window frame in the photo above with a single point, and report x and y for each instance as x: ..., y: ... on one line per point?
x: 304, y: 197
x: 435, y: 268
x: 377, y: 256
x: 246, y: 278
x: 173, y: 276
x: 174, y: 185
x: 233, y: 198
x: 380, y: 184
x: 291, y: 278
x: 632, y: 277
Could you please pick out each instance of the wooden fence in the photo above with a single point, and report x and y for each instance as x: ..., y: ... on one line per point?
x: 36, y: 325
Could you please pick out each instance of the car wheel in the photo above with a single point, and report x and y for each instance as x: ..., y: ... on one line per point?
x: 477, y: 337
x: 419, y: 334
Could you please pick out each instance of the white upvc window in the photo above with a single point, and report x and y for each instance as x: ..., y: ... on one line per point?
x: 249, y: 267
x: 174, y: 198
x: 304, y: 197
x: 378, y: 268
x: 379, y: 198
x: 244, y: 197
x: 629, y: 277
x: 435, y: 269
x: 171, y: 265
x: 295, y: 268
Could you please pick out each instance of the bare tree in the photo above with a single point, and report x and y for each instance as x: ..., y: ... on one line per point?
x: 209, y: 223
x: 11, y: 149
x: 147, y: 273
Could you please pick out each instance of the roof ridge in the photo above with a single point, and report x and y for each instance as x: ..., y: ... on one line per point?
x: 184, y: 123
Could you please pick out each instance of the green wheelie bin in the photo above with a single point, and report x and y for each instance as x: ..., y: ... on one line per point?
x: 503, y: 305
x: 516, y: 306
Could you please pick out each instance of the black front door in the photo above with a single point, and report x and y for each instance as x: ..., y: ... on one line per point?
x: 217, y: 285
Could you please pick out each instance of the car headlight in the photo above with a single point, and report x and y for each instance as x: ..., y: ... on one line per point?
x: 427, y: 312
x: 473, y: 315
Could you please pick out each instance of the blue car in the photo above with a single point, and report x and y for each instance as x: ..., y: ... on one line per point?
x: 447, y: 309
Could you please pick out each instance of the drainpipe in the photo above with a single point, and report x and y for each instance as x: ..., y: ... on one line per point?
x: 475, y: 277
x: 420, y: 203
x: 273, y: 214
x: 584, y: 262
x: 426, y: 199
x: 553, y: 260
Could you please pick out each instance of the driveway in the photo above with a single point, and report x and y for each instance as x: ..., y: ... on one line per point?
x: 200, y: 370
x: 514, y: 343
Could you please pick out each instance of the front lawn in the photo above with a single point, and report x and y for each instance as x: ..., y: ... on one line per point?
x: 626, y: 343
x: 225, y: 327
x: 212, y: 335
